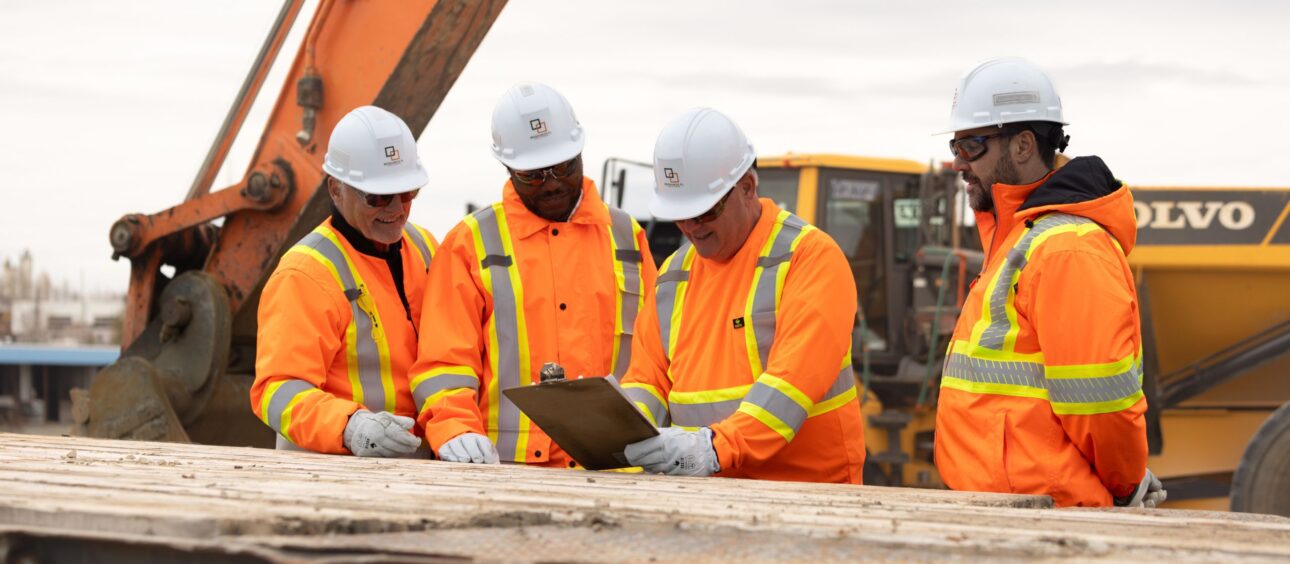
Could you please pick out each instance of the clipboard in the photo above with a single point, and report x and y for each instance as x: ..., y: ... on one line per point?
x: 589, y: 418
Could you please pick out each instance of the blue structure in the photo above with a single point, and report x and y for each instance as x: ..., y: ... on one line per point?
x: 53, y: 355
x: 36, y: 380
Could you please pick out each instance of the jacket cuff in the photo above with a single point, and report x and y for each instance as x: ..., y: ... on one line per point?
x: 440, y: 432
x: 725, y: 448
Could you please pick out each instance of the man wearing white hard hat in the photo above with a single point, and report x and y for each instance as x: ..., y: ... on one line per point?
x: 549, y: 274
x: 339, y: 316
x: 1042, y: 387
x: 742, y: 355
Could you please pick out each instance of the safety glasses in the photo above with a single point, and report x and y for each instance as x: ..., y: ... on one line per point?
x: 712, y: 214
x: 974, y: 147
x: 382, y: 200
x: 537, y: 177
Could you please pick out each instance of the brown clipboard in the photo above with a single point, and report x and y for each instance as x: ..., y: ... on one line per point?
x: 589, y: 418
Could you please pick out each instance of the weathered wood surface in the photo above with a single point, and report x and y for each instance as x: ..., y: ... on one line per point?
x: 294, y: 504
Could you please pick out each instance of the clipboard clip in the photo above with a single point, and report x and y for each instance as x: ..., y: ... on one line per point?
x: 551, y: 373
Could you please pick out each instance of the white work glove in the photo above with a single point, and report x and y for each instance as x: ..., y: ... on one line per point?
x: 469, y: 447
x: 380, y: 434
x: 676, y: 452
x: 1150, y: 493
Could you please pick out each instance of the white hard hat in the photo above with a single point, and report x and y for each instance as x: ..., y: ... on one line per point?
x: 698, y: 157
x: 1005, y: 90
x: 373, y: 150
x: 534, y: 127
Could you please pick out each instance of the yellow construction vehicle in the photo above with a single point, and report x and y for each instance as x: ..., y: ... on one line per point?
x: 1213, y: 274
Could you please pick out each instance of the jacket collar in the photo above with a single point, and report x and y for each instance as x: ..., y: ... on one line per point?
x: 523, y: 223
x: 1084, y: 187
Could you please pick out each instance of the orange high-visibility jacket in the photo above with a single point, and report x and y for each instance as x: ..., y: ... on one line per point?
x: 1042, y: 387
x: 758, y: 349
x: 511, y: 291
x: 334, y: 335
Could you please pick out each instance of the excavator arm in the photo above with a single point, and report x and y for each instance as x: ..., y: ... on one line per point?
x: 188, y: 342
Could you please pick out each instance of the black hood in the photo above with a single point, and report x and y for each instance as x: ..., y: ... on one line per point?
x: 1081, y: 180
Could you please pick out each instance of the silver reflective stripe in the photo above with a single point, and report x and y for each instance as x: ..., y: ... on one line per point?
x: 994, y: 335
x: 1031, y: 375
x: 282, y: 398
x: 629, y: 257
x: 657, y: 411
x: 701, y: 414
x: 845, y: 381
x: 369, y: 357
x: 506, y: 324
x: 439, y: 383
x: 778, y: 404
x: 665, y: 293
x: 963, y: 367
x: 1095, y: 390
x: 764, y: 305
x: 419, y: 242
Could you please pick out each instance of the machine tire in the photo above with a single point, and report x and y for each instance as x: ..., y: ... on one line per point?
x: 1262, y: 480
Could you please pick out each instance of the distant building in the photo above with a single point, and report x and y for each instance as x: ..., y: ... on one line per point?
x: 33, y: 310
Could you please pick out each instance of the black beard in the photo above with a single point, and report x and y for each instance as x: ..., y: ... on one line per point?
x: 1004, y: 173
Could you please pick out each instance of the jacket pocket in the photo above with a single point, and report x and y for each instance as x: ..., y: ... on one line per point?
x: 999, y: 469
x: 628, y: 296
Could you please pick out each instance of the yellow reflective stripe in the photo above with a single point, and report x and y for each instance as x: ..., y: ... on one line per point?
x: 1094, y: 408
x: 787, y: 389
x: 435, y: 397
x: 430, y: 247
x: 286, y: 413
x: 750, y: 335
x: 1091, y: 370
x: 644, y: 409
x: 963, y: 347
x: 709, y: 396
x: 351, y: 362
x: 351, y: 344
x: 367, y: 304
x: 832, y: 403
x: 1079, y: 229
x: 417, y: 380
x: 314, y: 254
x: 829, y: 404
x: 621, y: 277
x: 267, y: 397
x: 649, y: 389
x: 1014, y: 328
x: 521, y: 327
x: 674, y: 328
x: 768, y: 419
x: 782, y: 275
x: 485, y: 278
x: 993, y: 388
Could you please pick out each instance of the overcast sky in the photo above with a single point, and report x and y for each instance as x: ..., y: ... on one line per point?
x: 108, y: 108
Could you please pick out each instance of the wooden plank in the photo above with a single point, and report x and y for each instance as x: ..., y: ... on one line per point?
x: 285, y: 500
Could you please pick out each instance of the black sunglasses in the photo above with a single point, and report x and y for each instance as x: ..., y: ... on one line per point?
x: 712, y: 214
x: 538, y: 176
x: 974, y: 147
x: 382, y: 200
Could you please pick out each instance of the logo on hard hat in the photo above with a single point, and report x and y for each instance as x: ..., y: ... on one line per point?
x: 673, y: 179
x: 392, y: 154
x: 538, y: 125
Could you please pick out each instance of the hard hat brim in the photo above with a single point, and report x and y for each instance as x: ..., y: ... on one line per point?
x: 385, y: 185
x: 678, y: 207
x: 549, y: 157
